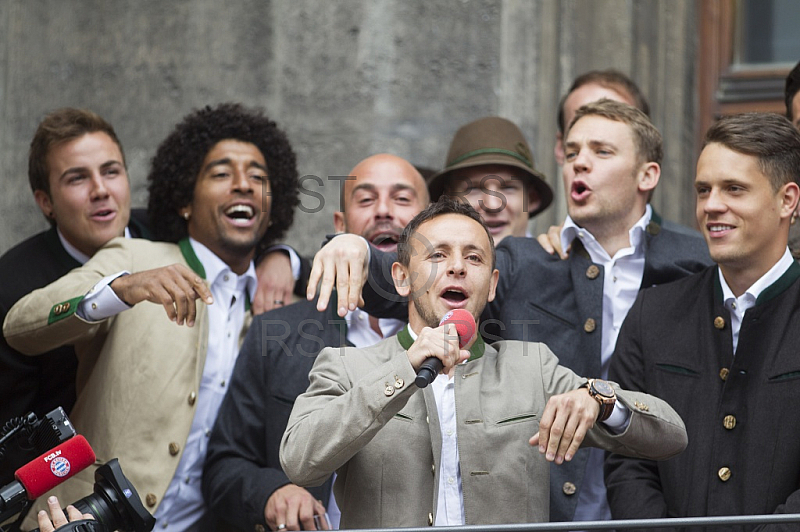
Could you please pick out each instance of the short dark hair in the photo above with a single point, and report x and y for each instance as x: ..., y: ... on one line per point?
x: 792, y: 87
x: 180, y: 156
x: 769, y: 137
x: 610, y: 79
x: 58, y: 127
x: 445, y: 205
x: 645, y: 134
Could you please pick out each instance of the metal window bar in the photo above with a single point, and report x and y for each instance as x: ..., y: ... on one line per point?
x: 622, y: 524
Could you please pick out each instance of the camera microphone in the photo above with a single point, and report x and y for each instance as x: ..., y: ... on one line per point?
x: 45, y: 472
x: 466, y: 330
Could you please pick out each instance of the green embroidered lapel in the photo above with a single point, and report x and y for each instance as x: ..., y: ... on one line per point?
x: 197, y: 267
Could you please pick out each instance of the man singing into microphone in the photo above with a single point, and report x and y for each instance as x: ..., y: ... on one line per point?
x: 457, y: 452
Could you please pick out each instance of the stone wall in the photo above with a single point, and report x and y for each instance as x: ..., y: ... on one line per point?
x: 345, y: 79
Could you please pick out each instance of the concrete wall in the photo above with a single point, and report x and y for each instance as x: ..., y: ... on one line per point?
x: 345, y: 79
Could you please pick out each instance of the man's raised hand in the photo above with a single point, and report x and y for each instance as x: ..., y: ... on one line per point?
x: 175, y: 287
x: 341, y: 263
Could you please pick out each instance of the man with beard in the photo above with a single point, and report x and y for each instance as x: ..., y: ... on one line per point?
x: 243, y: 481
x: 459, y: 451
x: 221, y: 184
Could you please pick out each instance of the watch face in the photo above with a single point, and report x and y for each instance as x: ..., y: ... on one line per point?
x: 603, y: 388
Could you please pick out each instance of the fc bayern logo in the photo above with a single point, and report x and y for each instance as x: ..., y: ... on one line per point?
x: 60, y: 466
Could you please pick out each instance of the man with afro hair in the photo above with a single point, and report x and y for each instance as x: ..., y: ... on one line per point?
x: 222, y: 184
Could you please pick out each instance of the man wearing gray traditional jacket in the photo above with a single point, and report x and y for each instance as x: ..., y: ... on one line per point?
x: 457, y: 452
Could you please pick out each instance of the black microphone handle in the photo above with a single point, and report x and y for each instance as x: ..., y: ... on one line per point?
x: 428, y: 371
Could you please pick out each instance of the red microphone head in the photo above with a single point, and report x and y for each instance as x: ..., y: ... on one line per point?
x: 464, y: 322
x: 55, y: 466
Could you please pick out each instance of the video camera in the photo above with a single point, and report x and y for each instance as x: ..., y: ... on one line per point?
x: 114, y: 504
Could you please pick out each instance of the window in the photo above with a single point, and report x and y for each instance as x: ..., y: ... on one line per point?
x: 747, y: 47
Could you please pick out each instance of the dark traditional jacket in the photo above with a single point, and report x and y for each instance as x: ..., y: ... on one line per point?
x: 740, y: 412
x: 242, y: 466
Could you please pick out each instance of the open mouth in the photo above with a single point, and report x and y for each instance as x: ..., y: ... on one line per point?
x: 386, y: 241
x: 240, y: 214
x: 579, y: 190
x: 454, y: 296
x: 103, y: 214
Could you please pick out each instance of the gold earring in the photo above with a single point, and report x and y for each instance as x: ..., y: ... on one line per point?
x: 186, y: 216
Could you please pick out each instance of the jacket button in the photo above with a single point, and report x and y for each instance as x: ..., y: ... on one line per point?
x: 724, y: 474
x: 174, y: 448
x: 569, y: 488
x: 192, y: 398
x: 150, y: 500
x: 430, y: 519
x: 433, y: 468
x: 57, y: 309
x: 719, y: 322
x: 398, y: 382
x: 592, y: 271
x: 653, y: 228
x: 388, y: 390
x: 723, y: 373
x: 260, y: 528
x: 729, y: 422
x: 590, y: 325
x: 65, y: 307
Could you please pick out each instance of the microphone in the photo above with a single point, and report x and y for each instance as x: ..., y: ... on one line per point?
x: 466, y: 330
x: 44, y: 473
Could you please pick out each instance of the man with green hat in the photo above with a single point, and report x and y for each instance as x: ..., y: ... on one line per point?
x: 490, y: 165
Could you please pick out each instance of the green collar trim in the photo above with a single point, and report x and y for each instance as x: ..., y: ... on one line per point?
x: 475, y: 352
x: 191, y: 258
x: 524, y: 160
x: 654, y: 225
x: 772, y: 291
x: 197, y: 267
x: 779, y: 286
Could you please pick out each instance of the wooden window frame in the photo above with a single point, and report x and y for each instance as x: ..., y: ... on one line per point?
x: 726, y: 88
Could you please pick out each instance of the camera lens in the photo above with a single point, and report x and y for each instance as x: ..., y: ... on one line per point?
x: 115, y: 503
x: 104, y: 504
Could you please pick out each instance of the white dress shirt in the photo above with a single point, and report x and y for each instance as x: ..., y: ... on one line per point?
x: 182, y: 505
x: 76, y: 254
x: 622, y: 279
x: 737, y: 306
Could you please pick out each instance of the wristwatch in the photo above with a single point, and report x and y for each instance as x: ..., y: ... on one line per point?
x: 603, y: 394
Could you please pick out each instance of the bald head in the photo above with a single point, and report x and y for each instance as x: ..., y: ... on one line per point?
x: 386, y: 193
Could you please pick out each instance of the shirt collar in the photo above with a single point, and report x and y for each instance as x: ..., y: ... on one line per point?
x: 766, y: 280
x: 571, y: 230
x: 214, y: 267
x: 74, y: 252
